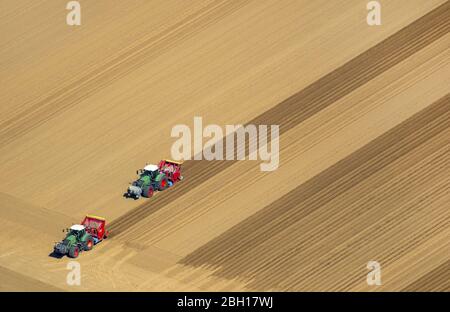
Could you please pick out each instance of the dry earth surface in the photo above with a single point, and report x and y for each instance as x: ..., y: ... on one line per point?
x: 364, y: 115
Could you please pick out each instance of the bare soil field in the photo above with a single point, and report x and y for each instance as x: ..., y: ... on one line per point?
x: 364, y: 117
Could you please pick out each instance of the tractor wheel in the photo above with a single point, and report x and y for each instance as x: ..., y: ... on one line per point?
x: 148, y: 192
x: 163, y: 184
x: 74, y: 252
x: 89, y: 244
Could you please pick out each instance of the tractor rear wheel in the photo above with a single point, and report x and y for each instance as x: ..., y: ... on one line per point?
x: 148, y: 192
x: 89, y: 244
x: 74, y: 251
x: 163, y: 184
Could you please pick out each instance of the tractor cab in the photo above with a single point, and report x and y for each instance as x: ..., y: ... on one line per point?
x: 77, y: 230
x: 146, y: 176
x: 150, y: 170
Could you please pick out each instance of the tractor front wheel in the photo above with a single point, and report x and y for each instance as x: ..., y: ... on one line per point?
x: 74, y: 252
x: 148, y: 192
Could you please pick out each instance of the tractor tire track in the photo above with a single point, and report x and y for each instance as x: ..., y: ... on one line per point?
x: 436, y: 280
x: 310, y: 101
x: 405, y: 167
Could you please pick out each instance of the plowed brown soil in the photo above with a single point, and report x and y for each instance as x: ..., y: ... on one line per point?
x: 364, y: 149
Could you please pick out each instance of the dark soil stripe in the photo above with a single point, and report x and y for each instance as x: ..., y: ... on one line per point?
x: 310, y: 101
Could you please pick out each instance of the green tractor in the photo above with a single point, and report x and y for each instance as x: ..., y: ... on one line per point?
x: 77, y: 240
x: 150, y: 179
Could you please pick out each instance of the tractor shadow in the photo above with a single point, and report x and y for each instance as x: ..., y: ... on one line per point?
x: 127, y: 196
x: 55, y: 255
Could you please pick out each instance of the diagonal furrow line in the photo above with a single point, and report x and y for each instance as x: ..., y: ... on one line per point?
x: 310, y: 101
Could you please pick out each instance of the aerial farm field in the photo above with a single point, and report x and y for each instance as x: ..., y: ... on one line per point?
x: 364, y: 136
